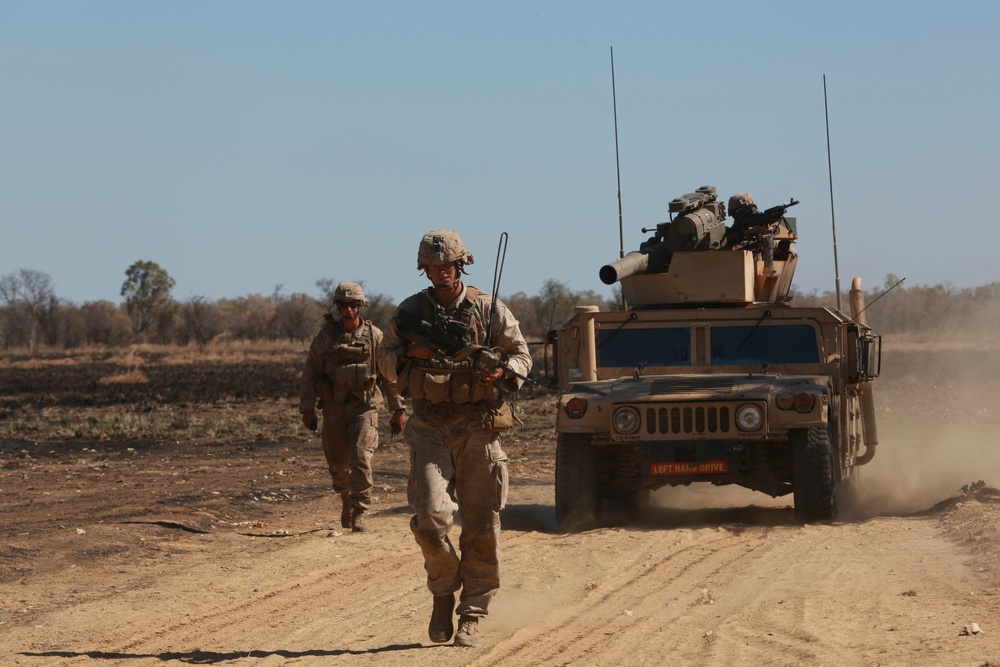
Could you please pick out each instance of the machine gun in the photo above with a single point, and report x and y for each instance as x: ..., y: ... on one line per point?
x: 451, y: 340
x: 748, y: 222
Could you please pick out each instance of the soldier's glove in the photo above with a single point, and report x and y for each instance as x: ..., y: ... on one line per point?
x: 309, y: 420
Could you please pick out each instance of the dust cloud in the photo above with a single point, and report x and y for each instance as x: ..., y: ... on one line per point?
x: 938, y: 422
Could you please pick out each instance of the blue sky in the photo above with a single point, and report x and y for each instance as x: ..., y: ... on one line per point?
x: 245, y: 145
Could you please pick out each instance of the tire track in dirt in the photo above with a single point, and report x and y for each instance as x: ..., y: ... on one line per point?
x: 626, y: 610
x: 213, y: 606
x: 308, y: 585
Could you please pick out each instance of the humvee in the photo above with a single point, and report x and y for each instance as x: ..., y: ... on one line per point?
x: 710, y: 374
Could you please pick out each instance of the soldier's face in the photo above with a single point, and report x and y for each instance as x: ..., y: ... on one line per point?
x: 443, y: 276
x: 349, y: 310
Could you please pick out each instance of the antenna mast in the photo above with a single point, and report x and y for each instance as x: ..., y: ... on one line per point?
x: 833, y: 218
x: 618, y: 164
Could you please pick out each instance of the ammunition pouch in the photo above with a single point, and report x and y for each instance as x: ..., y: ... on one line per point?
x: 352, y: 378
x: 442, y: 384
x: 499, y: 419
x: 350, y: 352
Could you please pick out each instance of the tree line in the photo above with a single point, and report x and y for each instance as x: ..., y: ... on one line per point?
x: 931, y: 312
x: 33, y: 316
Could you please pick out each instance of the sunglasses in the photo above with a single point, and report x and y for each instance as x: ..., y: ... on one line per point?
x: 349, y: 304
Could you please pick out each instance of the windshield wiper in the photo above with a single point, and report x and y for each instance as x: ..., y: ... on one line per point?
x: 766, y: 314
x: 631, y: 317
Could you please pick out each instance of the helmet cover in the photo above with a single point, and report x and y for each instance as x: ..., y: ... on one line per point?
x: 442, y: 246
x: 349, y: 292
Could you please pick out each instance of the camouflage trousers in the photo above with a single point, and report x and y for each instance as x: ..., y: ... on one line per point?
x: 350, y: 437
x: 457, y: 466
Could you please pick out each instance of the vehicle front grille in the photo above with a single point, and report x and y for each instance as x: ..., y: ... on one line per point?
x: 688, y: 384
x: 687, y: 420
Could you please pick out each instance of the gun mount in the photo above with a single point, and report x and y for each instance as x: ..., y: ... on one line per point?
x: 696, y: 258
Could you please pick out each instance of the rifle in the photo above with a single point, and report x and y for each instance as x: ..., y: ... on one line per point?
x: 451, y: 340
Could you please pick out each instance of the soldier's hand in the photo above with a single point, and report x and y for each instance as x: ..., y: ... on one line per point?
x: 418, y: 351
x: 309, y: 420
x: 398, y: 421
x: 487, y: 377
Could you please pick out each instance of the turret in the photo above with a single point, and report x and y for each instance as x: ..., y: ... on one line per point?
x: 695, y: 258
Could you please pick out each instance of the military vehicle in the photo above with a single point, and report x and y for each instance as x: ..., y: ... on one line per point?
x: 710, y: 373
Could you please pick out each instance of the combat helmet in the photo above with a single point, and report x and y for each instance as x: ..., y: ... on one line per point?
x: 350, y: 292
x: 740, y: 204
x: 442, y: 246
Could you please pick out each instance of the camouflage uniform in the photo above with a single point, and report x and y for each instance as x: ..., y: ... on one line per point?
x: 340, y: 375
x: 456, y: 463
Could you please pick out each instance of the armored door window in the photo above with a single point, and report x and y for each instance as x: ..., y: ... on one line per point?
x: 781, y: 344
x: 647, y: 347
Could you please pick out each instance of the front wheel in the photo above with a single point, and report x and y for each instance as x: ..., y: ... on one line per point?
x: 577, y: 504
x: 812, y: 467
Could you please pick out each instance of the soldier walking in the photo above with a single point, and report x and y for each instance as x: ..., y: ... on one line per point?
x: 456, y: 463
x: 341, y: 378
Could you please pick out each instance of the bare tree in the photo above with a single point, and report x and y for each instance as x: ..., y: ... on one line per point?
x: 327, y: 288
x: 297, y: 316
x: 556, y: 304
x: 200, y: 321
x: 28, y: 297
x: 105, y: 323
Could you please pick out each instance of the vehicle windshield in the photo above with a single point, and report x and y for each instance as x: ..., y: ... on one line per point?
x: 644, y: 347
x: 781, y: 344
x: 730, y: 345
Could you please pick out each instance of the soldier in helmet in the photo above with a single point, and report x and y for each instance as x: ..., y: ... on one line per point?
x: 741, y: 205
x: 341, y: 376
x: 456, y: 463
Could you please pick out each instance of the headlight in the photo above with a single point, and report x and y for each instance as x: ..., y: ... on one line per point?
x: 749, y: 417
x: 626, y: 420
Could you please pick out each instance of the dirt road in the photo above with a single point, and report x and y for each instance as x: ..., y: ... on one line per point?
x: 204, y: 553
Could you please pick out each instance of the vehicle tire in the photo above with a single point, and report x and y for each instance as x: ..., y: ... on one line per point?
x: 577, y: 504
x: 848, y: 492
x: 812, y: 467
x: 637, y: 502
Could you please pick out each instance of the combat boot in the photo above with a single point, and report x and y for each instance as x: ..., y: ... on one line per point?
x: 345, y: 511
x: 358, y: 521
x: 468, y: 631
x: 442, y: 625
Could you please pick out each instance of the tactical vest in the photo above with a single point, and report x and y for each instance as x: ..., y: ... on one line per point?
x: 350, y: 364
x: 440, y: 381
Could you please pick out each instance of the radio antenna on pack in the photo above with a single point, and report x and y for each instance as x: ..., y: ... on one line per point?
x: 497, y: 274
x: 618, y: 164
x: 833, y: 218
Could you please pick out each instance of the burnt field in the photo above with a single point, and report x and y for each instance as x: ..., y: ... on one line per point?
x: 109, y: 379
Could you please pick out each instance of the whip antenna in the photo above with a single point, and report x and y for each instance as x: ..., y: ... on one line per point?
x: 497, y: 274
x: 833, y: 218
x: 618, y: 164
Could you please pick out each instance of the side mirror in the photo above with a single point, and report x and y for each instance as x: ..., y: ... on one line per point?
x: 864, y: 354
x: 870, y: 354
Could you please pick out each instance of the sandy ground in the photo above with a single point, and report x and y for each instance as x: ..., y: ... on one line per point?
x: 204, y: 553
